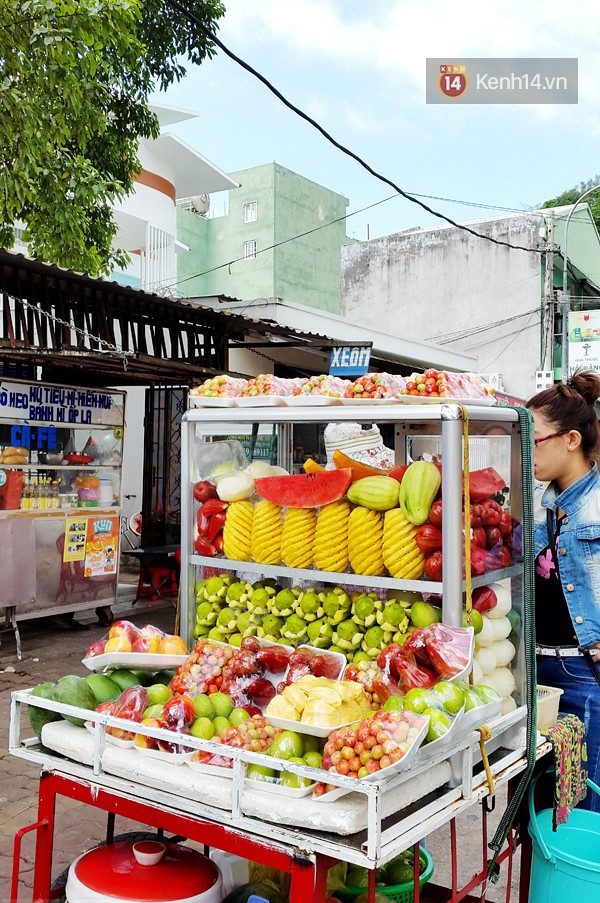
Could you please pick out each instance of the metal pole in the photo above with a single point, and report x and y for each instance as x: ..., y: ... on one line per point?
x: 566, y: 301
x: 186, y: 582
x: 452, y: 427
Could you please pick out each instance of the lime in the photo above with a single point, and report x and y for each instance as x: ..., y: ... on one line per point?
x: 203, y: 707
x: 294, y: 780
x: 154, y: 711
x: 158, y: 694
x: 237, y: 716
x: 451, y: 696
x: 203, y: 728
x: 220, y: 724
x: 222, y: 704
x: 417, y: 700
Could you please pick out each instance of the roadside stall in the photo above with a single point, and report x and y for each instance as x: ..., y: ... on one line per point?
x: 61, y: 451
x: 358, y: 663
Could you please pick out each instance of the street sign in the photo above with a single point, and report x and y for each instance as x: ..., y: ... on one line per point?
x: 349, y: 360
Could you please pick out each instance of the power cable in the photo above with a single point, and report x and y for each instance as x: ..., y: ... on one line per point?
x: 516, y: 336
x: 467, y: 333
x: 178, y: 7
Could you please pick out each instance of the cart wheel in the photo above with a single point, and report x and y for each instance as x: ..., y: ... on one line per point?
x: 61, y: 882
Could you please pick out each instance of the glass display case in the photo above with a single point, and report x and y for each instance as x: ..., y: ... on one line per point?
x: 484, y: 442
x: 61, y: 452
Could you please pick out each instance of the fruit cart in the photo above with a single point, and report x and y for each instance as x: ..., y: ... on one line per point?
x: 362, y: 822
x: 60, y: 488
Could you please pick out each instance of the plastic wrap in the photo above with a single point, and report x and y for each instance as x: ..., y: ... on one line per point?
x: 376, y: 385
x: 255, y: 735
x: 203, y: 670
x: 318, y: 703
x: 268, y: 384
x: 125, y: 639
x: 220, y: 387
x: 332, y: 386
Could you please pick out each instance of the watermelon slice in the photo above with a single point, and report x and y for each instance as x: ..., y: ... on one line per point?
x: 305, y: 490
x: 483, y: 484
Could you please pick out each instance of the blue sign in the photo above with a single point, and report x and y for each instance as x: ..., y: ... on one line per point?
x: 349, y: 360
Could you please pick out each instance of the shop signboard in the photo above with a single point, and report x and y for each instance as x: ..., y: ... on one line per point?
x: 584, y: 340
x: 41, y: 403
x: 350, y: 360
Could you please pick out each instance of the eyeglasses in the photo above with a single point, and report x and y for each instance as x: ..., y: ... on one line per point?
x: 537, y: 442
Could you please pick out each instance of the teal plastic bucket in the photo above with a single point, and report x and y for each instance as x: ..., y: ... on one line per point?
x: 566, y: 863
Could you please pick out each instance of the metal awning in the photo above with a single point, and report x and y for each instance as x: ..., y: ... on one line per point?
x: 103, y: 332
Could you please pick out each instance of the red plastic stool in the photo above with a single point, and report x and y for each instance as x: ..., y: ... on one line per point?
x: 156, y: 582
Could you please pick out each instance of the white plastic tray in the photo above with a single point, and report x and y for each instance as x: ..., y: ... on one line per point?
x: 482, y: 714
x: 336, y: 794
x: 311, y: 401
x: 210, y: 769
x: 260, y: 401
x: 366, y: 401
x: 446, y: 399
x: 137, y: 661
x: 310, y: 729
x: 272, y: 785
x: 116, y: 741
x: 171, y: 758
x: 431, y: 749
x: 207, y: 401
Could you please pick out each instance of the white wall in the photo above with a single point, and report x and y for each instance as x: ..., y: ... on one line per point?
x: 133, y: 456
x: 427, y: 284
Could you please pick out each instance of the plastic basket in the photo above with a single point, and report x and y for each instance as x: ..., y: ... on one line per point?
x: 548, y: 699
x: 400, y: 893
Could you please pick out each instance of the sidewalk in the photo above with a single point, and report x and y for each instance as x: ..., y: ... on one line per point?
x: 48, y: 654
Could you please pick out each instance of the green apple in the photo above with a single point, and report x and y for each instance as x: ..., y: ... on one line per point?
x: 472, y: 699
x: 394, y: 704
x: 439, y: 724
x: 158, y: 694
x: 486, y: 694
x: 294, y: 780
x: 476, y: 620
x: 423, y: 614
x: 417, y: 700
x: 220, y: 724
x: 450, y: 695
x: 313, y: 758
x: 153, y: 711
x: 312, y: 744
x: 203, y: 728
x: 260, y: 773
x: 222, y: 704
x: 237, y: 716
x: 204, y: 707
x: 287, y: 745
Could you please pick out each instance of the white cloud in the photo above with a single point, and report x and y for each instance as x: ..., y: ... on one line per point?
x: 396, y: 37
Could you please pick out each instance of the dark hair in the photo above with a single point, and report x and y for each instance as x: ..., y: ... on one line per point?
x: 572, y: 406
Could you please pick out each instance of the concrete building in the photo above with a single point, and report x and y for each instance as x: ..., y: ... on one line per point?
x: 247, y: 253
x: 446, y: 286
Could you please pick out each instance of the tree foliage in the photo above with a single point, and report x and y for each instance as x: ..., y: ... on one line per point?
x: 75, y: 76
x: 570, y: 196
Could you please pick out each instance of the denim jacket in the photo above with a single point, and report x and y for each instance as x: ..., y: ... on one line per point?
x: 578, y: 549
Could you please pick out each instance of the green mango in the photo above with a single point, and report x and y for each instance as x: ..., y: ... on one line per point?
x: 103, y: 687
x: 39, y: 717
x: 73, y: 690
x: 260, y: 773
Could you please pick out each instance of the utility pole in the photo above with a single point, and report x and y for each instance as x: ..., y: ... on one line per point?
x: 566, y: 300
x: 547, y: 362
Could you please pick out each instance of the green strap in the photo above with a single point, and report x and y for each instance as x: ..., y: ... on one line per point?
x: 508, y: 817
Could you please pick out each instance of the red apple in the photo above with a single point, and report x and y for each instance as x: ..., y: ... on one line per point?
x: 117, y: 644
x: 96, y: 648
x: 172, y: 645
x: 148, y: 742
x: 147, y: 644
x: 204, y: 490
x: 179, y: 712
x: 150, y: 630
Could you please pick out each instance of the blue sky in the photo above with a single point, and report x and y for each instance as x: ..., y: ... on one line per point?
x: 359, y: 69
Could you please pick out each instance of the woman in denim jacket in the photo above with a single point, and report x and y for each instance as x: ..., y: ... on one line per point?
x: 567, y: 548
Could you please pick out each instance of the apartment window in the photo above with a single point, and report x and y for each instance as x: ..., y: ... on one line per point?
x: 249, y: 250
x: 250, y: 212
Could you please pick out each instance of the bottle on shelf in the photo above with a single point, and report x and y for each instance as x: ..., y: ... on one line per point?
x: 26, y: 494
x: 55, y: 494
x: 35, y: 497
x: 42, y: 493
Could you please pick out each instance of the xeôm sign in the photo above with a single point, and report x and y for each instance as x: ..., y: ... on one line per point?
x: 350, y: 360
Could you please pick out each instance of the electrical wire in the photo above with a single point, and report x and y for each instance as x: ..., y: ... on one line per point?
x: 178, y: 7
x: 444, y: 339
x: 500, y: 353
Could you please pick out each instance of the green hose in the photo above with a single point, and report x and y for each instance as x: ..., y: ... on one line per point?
x: 508, y: 817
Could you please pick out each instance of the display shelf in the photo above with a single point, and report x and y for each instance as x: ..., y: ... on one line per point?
x: 420, y: 586
x: 61, y: 512
x: 58, y: 466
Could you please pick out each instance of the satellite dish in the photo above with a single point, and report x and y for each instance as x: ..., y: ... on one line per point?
x: 200, y: 204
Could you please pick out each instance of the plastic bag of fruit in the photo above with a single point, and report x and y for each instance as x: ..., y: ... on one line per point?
x: 268, y: 384
x: 376, y: 743
x: 251, y: 674
x: 202, y: 672
x: 332, y: 386
x: 254, y: 734
x: 220, y: 387
x: 376, y: 385
x: 125, y: 637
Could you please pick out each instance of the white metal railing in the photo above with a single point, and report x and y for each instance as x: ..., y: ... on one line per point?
x: 157, y: 258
